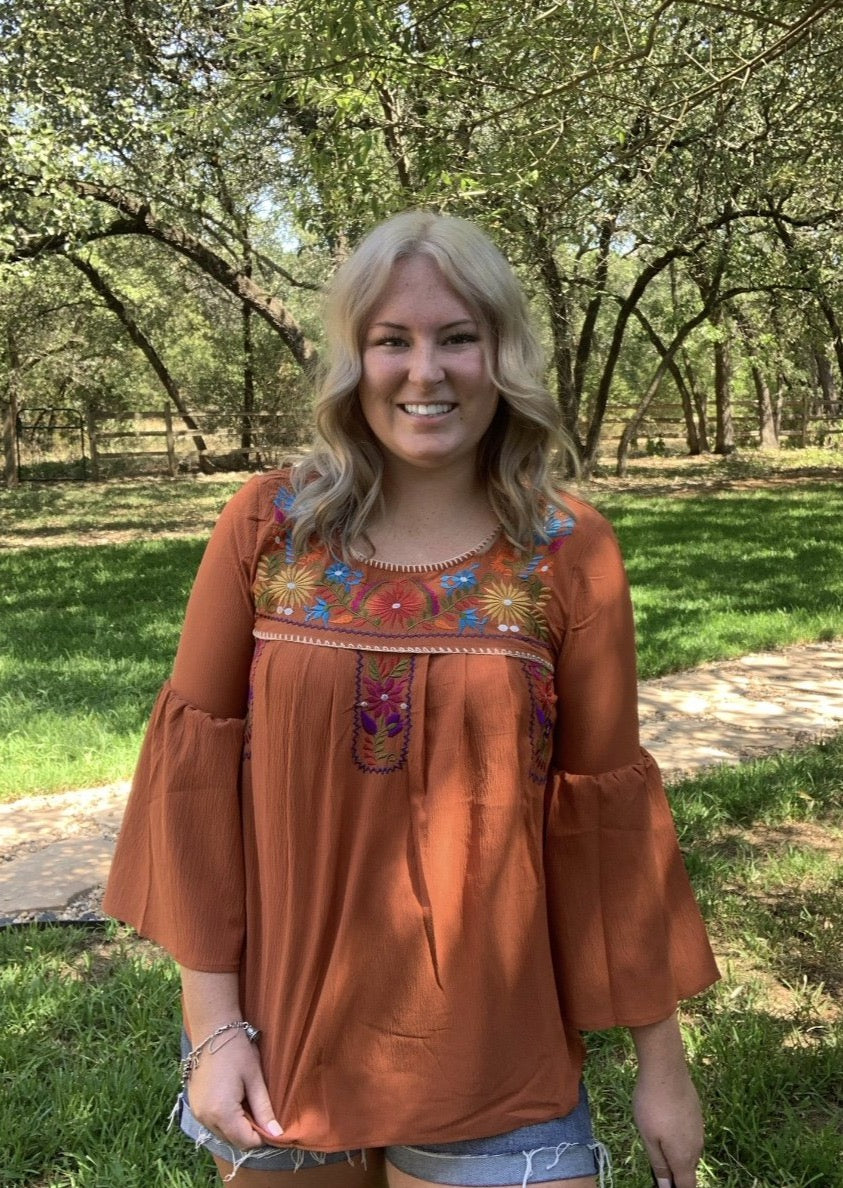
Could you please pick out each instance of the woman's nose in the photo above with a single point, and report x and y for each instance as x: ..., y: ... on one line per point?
x: 425, y: 365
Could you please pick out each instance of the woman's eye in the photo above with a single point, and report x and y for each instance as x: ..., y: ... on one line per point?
x: 389, y: 340
x: 461, y: 338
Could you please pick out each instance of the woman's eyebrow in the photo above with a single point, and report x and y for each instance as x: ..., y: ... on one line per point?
x: 445, y: 326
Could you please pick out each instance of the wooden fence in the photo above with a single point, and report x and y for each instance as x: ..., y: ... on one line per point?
x: 53, y: 444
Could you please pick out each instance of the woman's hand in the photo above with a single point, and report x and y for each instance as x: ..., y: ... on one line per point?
x: 665, y: 1105
x: 228, y: 1081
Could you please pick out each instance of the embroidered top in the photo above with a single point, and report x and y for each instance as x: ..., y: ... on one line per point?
x: 408, y: 805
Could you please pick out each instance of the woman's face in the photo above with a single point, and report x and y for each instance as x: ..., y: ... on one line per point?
x: 425, y: 390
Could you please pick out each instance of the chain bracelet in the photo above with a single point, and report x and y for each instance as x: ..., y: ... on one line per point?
x: 191, y: 1061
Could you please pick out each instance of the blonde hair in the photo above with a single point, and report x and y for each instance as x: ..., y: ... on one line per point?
x: 338, y: 484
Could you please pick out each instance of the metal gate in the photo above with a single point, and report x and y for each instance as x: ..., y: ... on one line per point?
x: 50, y: 445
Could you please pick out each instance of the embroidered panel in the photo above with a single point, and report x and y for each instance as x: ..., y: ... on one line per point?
x: 496, y: 596
x: 492, y: 603
x: 542, y: 718
x: 382, y: 708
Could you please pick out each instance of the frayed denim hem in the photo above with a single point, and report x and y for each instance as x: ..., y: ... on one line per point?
x: 270, y: 1157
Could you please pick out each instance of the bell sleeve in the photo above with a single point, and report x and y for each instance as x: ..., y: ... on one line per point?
x: 627, y: 937
x: 178, y: 875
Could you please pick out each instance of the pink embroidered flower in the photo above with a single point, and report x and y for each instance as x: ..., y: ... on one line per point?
x: 384, y: 697
x: 396, y: 603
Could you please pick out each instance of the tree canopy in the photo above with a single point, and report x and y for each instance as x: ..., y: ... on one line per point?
x: 664, y: 175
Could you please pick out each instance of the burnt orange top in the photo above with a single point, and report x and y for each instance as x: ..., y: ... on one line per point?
x: 409, y: 806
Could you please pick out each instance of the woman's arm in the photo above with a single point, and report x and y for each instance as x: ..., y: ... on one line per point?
x: 228, y: 1076
x: 665, y: 1104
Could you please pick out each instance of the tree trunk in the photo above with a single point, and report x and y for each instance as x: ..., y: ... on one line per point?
x: 667, y: 363
x: 113, y: 302
x: 825, y: 378
x: 678, y: 378
x: 768, y: 438
x: 246, y: 435
x: 560, y: 325
x: 724, y: 438
x: 700, y: 403
x: 586, y: 339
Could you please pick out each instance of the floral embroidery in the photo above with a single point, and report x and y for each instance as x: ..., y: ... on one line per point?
x: 507, y: 604
x: 344, y: 575
x: 498, y: 601
x: 320, y: 612
x: 470, y: 618
x: 396, y: 603
x: 382, y: 711
x: 507, y: 598
x: 466, y: 579
x: 284, y: 587
x: 542, y: 718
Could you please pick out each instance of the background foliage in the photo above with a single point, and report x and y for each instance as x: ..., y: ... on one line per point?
x: 663, y: 175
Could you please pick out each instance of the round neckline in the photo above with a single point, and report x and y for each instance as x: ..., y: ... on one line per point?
x: 432, y: 566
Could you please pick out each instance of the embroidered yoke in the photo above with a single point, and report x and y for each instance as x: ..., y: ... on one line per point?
x: 408, y: 806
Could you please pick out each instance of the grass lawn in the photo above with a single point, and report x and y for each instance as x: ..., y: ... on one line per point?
x: 89, y: 629
x: 91, y: 1019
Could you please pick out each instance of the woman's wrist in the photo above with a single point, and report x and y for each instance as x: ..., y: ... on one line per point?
x: 659, y: 1047
x: 211, y: 1000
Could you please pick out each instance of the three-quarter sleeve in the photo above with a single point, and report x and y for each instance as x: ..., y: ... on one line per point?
x: 178, y: 873
x: 627, y: 936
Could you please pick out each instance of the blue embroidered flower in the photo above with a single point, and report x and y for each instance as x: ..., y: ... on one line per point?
x: 320, y: 612
x: 471, y: 618
x: 283, y: 501
x: 466, y: 579
x: 344, y: 575
x: 556, y: 524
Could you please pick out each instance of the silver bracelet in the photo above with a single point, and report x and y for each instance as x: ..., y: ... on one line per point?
x: 191, y: 1061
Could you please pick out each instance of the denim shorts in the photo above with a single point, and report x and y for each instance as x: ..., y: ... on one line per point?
x: 559, y: 1149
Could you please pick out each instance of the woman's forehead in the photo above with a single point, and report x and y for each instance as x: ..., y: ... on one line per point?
x: 417, y: 289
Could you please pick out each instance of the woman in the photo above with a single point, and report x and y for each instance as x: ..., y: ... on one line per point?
x: 391, y: 809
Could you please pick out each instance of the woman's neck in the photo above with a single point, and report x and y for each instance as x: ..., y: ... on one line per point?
x: 431, y: 517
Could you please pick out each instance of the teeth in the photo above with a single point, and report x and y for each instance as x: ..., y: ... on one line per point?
x: 427, y: 410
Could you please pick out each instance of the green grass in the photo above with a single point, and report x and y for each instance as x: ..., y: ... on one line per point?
x: 724, y: 574
x: 89, y: 635
x: 74, y: 513
x: 90, y: 1022
x: 90, y: 1030
x: 89, y: 629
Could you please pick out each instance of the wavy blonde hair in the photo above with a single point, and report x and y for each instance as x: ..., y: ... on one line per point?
x: 338, y: 484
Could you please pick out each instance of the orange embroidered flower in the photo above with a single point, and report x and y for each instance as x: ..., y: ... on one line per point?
x: 396, y: 603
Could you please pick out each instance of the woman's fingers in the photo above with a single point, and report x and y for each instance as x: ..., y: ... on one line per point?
x: 261, y: 1114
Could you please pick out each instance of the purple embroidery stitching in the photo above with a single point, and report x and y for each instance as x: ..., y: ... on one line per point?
x: 382, y: 707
